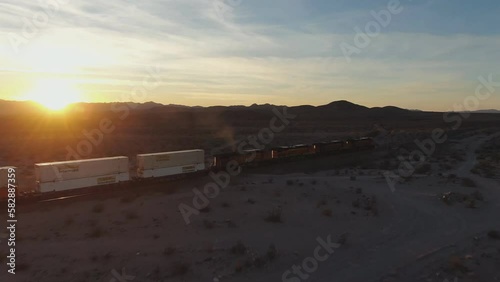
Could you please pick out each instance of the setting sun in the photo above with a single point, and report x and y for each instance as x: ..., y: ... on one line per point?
x: 54, y: 94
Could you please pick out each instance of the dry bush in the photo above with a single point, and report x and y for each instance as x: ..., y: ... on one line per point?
x: 169, y: 251
x: 96, y: 232
x: 131, y: 215
x: 494, y: 234
x: 321, y: 203
x: 128, y: 198
x: 274, y: 215
x: 272, y: 252
x: 205, y: 209
x: 238, y: 249
x: 327, y: 212
x: 457, y: 264
x: 208, y: 224
x: 68, y: 221
x: 180, y: 268
x: 467, y: 182
x: 98, y: 208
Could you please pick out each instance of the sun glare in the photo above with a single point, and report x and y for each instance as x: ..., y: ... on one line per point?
x: 54, y: 94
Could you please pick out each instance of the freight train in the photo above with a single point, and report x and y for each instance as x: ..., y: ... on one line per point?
x: 61, y: 178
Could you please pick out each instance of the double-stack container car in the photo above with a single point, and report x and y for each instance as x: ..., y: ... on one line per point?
x: 364, y: 143
x: 286, y: 152
x: 170, y: 163
x: 328, y: 147
x: 250, y: 157
x: 69, y: 175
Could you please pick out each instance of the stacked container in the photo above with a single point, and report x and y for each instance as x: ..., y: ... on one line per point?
x: 170, y: 163
x: 68, y: 175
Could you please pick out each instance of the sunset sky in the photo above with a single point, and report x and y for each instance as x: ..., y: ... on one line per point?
x: 228, y: 52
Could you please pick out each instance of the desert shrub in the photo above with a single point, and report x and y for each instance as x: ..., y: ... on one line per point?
x: 107, y: 256
x: 98, y: 208
x: 321, y: 202
x: 169, y: 251
x: 342, y: 239
x: 471, y: 203
x: 208, y: 224
x: 274, y: 215
x: 128, y: 198
x: 238, y: 267
x: 180, y: 268
x: 259, y: 262
x: 423, y: 169
x: 327, y: 212
x: 238, y: 249
x: 69, y: 221
x: 131, y: 215
x: 457, y: 264
x: 205, y: 209
x: 355, y: 203
x: 478, y: 196
x: 96, y: 232
x: 494, y: 234
x: 251, y: 201
x: 272, y: 252
x: 225, y: 205
x: 467, y: 182
x: 370, y: 203
x: 289, y: 182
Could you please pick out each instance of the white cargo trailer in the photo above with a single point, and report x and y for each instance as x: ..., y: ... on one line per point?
x: 170, y: 163
x: 68, y: 175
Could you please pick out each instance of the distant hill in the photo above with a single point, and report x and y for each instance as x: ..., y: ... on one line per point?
x: 15, y: 107
x: 334, y: 109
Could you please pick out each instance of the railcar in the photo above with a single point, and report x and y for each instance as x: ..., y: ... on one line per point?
x: 364, y: 143
x: 220, y: 160
x: 170, y: 163
x: 328, y: 147
x: 259, y: 156
x: 286, y: 152
x: 71, y: 175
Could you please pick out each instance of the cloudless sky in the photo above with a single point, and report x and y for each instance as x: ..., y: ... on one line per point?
x: 226, y: 52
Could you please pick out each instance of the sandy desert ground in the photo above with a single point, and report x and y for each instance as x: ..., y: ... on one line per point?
x: 270, y: 218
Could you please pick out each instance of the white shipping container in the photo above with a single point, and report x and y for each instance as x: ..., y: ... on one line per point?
x: 170, y: 159
x: 82, y: 182
x: 167, y: 171
x: 4, y: 176
x: 69, y: 170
